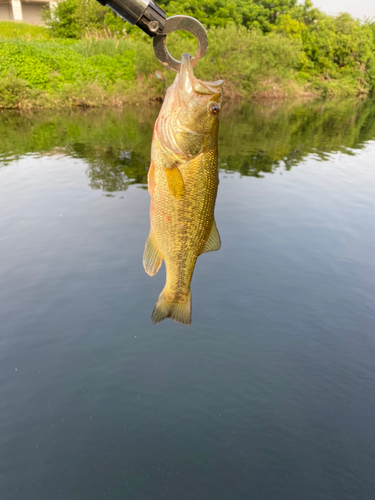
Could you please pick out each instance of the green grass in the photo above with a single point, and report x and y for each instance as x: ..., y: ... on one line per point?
x: 12, y: 29
x: 59, y: 73
x: 49, y: 64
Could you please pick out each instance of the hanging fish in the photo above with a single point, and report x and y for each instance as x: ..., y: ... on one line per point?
x: 182, y: 182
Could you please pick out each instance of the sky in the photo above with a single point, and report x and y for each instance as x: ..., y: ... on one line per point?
x: 357, y: 8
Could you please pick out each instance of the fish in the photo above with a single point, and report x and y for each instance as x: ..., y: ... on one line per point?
x: 183, y: 180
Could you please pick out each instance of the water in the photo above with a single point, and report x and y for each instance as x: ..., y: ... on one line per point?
x: 269, y: 394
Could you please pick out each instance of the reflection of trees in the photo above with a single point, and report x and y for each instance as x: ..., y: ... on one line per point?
x: 254, y: 138
x: 115, y: 144
x: 260, y: 138
x: 111, y: 172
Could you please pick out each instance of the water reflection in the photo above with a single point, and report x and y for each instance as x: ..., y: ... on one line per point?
x: 254, y: 139
x: 114, y: 143
x: 262, y: 137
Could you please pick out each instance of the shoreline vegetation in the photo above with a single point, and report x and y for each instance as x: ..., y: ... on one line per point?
x: 85, y: 56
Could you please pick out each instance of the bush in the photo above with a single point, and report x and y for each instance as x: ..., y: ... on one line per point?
x: 260, y: 14
x: 16, y: 92
x: 77, y: 18
x: 246, y: 61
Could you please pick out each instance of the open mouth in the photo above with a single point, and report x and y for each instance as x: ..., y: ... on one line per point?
x: 191, y: 83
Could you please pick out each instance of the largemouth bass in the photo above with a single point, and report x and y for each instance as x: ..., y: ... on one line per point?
x: 182, y: 182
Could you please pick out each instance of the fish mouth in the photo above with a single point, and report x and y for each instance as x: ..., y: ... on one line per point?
x: 191, y: 84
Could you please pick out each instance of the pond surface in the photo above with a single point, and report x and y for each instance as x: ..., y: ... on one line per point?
x: 269, y: 394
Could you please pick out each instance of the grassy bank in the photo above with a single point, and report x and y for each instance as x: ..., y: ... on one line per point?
x: 39, y: 71
x: 36, y: 71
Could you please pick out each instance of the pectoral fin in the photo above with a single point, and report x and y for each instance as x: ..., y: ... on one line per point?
x: 175, y: 182
x: 151, y: 257
x: 213, y: 243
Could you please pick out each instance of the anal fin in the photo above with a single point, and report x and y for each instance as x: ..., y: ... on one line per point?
x: 151, y: 257
x: 213, y: 243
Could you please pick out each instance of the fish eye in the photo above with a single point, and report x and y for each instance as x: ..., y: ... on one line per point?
x: 214, y: 108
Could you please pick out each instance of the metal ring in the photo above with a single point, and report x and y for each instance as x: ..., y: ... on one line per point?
x: 182, y: 23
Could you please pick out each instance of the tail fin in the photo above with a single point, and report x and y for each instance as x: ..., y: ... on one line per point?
x: 178, y: 311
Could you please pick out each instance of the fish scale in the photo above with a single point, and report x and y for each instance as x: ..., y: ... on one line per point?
x: 181, y: 236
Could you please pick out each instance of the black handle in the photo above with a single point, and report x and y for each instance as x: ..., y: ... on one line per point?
x: 145, y: 14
